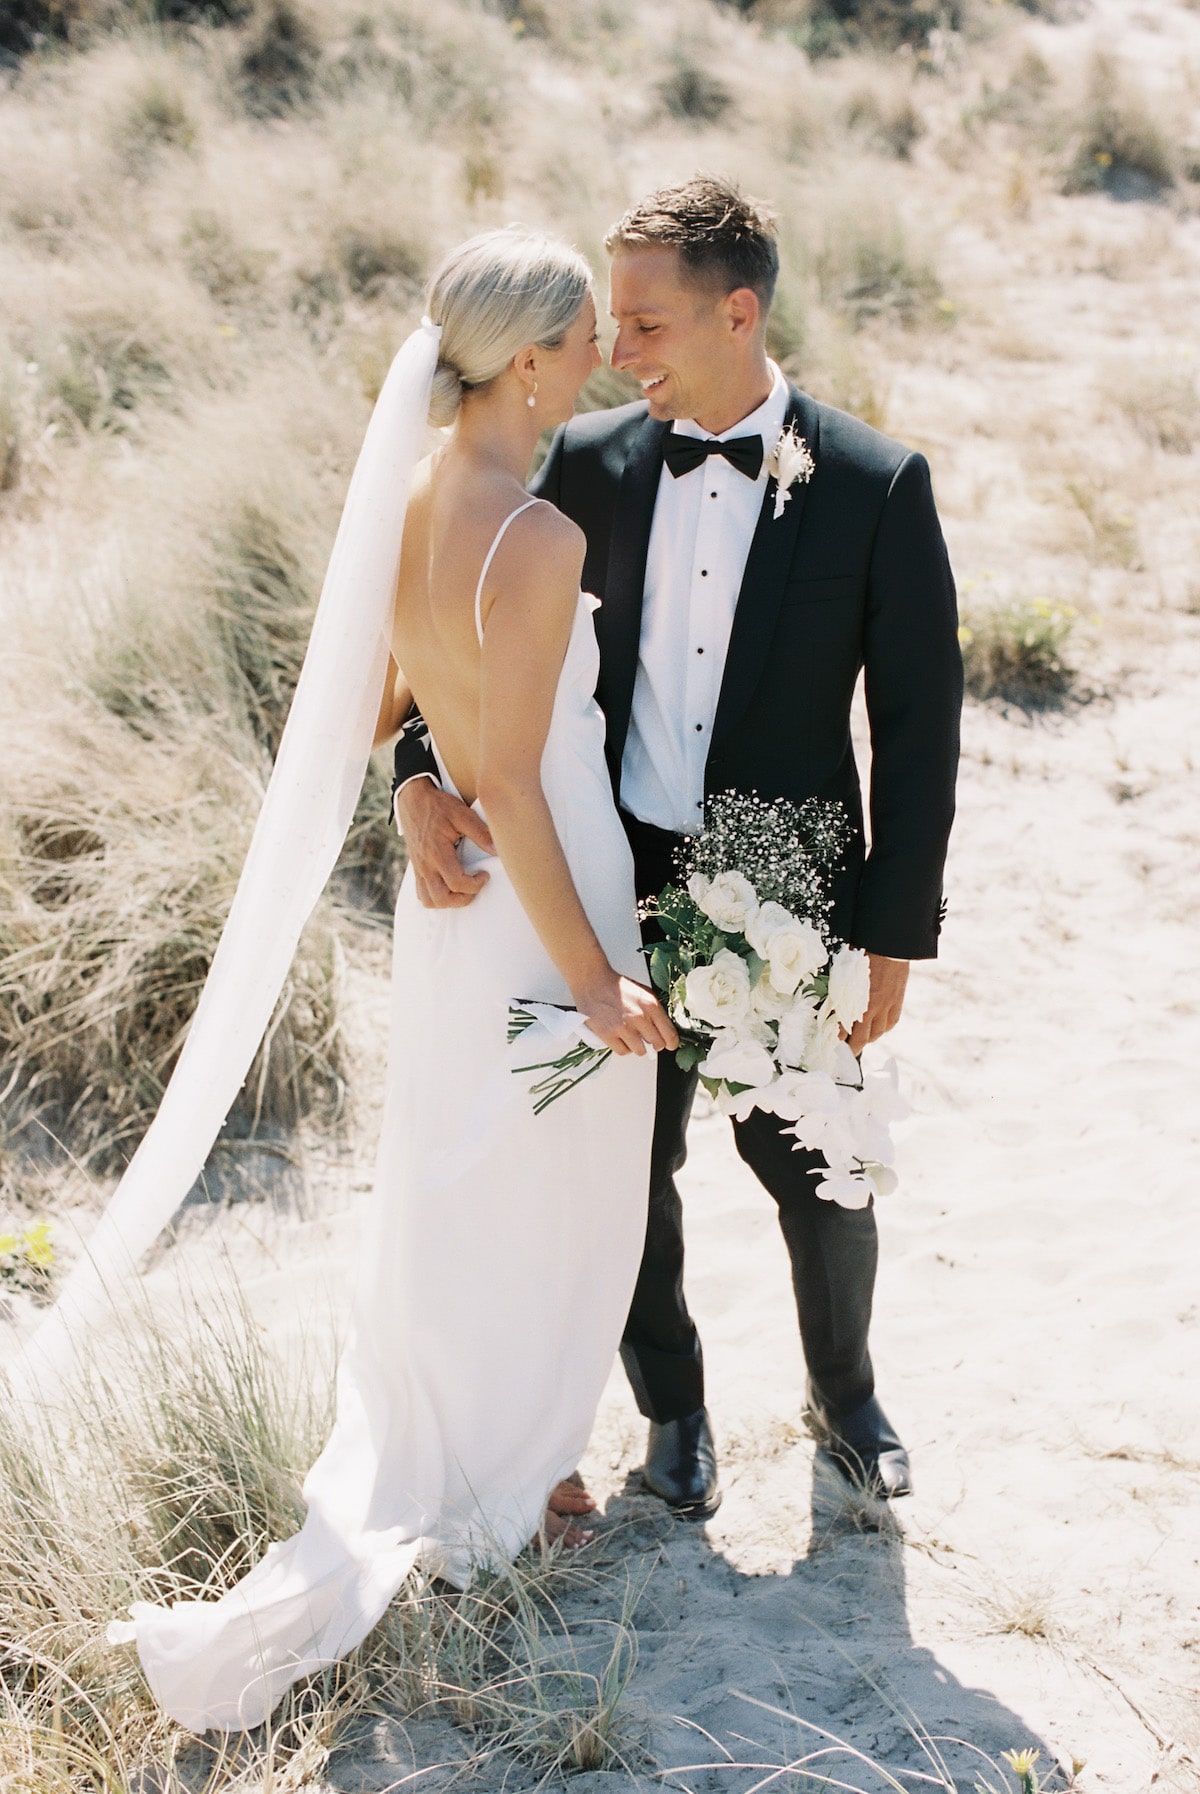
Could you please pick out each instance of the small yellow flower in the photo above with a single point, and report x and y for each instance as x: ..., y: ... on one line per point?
x: 8, y: 1242
x: 38, y: 1249
x: 1022, y: 1764
x: 947, y: 307
x: 1104, y: 158
x: 965, y: 634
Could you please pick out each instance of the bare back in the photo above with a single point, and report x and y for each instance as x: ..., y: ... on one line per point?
x: 450, y: 529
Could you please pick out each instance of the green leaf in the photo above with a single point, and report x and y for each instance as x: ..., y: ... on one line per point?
x: 661, y: 962
x: 689, y: 1054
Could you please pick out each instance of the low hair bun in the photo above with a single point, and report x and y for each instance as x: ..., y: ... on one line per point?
x: 492, y: 296
x: 445, y: 396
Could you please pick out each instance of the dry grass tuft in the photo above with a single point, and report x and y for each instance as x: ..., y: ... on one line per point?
x: 867, y: 266
x: 1111, y: 523
x: 1162, y: 402
x: 889, y: 122
x: 839, y: 27
x: 1027, y: 1610
x: 1018, y: 651
x: 1116, y: 143
x: 118, y: 862
x: 278, y: 67
x: 692, y: 94
x: 168, y: 1483
x: 151, y: 117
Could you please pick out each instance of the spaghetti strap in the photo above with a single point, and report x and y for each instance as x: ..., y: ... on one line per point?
x: 499, y: 537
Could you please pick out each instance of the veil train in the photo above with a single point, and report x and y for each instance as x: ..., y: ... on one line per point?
x: 306, y: 812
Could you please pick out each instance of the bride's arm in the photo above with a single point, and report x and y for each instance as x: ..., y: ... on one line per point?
x: 394, y: 706
x: 524, y: 643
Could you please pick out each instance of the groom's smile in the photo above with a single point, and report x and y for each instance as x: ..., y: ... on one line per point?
x: 695, y: 351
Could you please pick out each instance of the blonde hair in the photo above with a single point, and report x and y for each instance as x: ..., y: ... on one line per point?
x: 491, y: 296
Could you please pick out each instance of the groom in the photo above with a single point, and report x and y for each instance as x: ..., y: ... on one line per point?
x: 731, y: 636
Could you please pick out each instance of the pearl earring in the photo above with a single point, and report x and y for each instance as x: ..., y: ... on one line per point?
x: 532, y: 399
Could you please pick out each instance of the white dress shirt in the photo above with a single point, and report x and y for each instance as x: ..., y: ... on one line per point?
x: 703, y: 525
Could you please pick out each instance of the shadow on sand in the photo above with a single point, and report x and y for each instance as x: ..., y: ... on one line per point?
x: 740, y: 1674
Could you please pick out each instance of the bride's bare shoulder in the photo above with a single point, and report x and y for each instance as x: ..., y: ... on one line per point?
x: 547, y: 533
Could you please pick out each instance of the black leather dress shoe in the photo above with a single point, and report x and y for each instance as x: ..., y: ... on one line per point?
x: 862, y: 1446
x: 681, y: 1465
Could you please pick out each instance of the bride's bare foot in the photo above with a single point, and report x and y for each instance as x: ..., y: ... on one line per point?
x: 570, y: 1497
x: 556, y: 1528
x: 567, y: 1501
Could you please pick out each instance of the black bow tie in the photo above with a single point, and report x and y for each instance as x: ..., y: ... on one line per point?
x: 682, y: 453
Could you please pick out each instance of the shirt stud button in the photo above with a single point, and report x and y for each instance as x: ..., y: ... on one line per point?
x: 699, y: 650
x: 699, y: 728
x: 704, y: 572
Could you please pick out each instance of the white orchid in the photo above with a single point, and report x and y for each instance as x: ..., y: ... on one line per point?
x: 827, y: 1051
x: 732, y: 1059
x: 792, y: 465
x: 881, y: 1095
x: 797, y: 1093
x: 849, y: 985
x: 847, y: 1188
x: 796, y: 1031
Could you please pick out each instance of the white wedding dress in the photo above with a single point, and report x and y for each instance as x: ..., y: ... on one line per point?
x: 500, y: 1256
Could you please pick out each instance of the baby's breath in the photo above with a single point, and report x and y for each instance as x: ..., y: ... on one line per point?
x: 786, y: 850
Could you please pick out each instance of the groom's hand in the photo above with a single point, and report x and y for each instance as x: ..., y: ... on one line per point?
x: 433, y: 822
x: 889, y: 978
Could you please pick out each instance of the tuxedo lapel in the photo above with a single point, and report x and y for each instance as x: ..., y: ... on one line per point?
x: 767, y: 566
x: 619, y: 621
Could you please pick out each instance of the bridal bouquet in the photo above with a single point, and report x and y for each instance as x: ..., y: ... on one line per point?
x: 761, y: 993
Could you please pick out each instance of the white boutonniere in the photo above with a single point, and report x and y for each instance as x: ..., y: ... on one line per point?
x: 792, y: 465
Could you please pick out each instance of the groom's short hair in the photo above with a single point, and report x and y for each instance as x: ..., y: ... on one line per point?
x: 723, y: 238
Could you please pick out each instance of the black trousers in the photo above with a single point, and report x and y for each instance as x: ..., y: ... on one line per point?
x: 834, y: 1251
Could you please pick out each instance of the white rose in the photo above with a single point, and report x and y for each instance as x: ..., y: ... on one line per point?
x: 793, y: 950
x: 766, y: 921
x: 719, y: 994
x: 697, y: 886
x: 736, y: 1061
x: 796, y: 1031
x: 767, y: 1002
x: 849, y: 985
x: 730, y: 902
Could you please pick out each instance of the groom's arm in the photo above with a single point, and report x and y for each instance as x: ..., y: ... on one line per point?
x: 413, y: 757
x: 913, y: 683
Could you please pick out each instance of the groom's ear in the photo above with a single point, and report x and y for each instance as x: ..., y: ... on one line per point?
x: 743, y: 311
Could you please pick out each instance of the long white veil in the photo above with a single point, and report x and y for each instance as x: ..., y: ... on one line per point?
x: 307, y: 809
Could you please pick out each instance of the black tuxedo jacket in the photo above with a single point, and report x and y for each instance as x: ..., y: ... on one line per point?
x: 854, y: 575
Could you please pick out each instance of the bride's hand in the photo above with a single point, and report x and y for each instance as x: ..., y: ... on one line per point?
x: 626, y: 1016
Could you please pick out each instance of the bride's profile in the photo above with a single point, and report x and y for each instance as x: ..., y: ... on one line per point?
x: 501, y: 1245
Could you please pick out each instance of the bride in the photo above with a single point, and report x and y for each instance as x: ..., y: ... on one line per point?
x: 501, y: 1246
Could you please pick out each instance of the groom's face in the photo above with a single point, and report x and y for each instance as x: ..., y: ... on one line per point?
x: 673, y: 333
